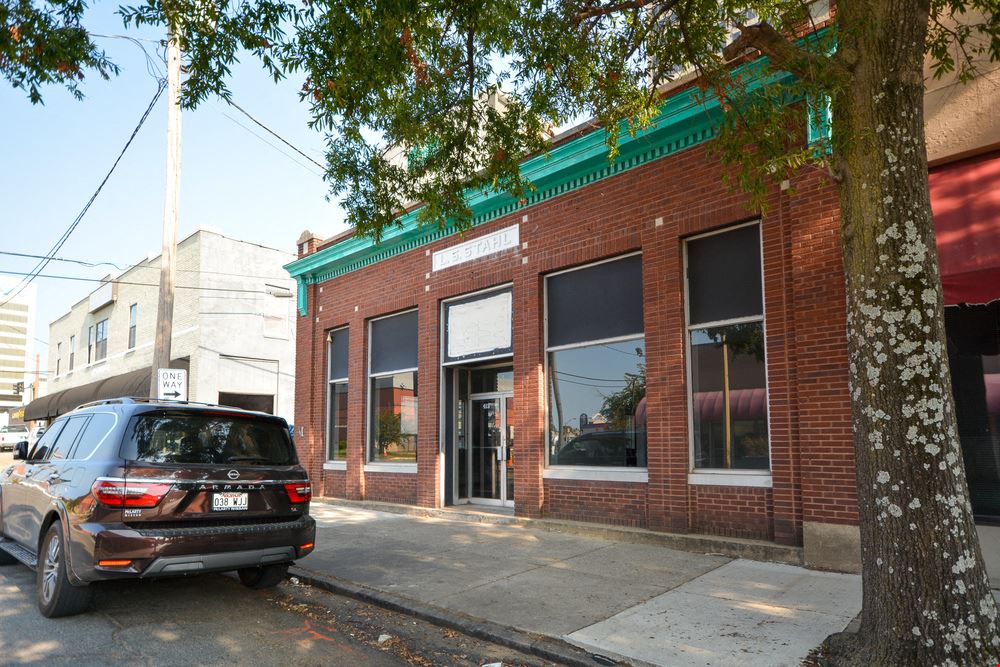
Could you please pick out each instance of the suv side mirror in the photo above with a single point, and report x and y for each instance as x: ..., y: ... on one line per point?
x: 21, y: 451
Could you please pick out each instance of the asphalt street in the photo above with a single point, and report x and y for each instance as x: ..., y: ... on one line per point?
x: 214, y: 620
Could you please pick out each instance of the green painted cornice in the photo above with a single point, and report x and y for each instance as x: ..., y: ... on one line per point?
x: 683, y: 122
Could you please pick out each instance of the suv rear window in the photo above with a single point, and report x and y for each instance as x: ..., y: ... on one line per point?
x: 203, y: 437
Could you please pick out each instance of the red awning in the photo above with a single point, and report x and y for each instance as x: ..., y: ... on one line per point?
x: 965, y: 198
x: 744, y: 404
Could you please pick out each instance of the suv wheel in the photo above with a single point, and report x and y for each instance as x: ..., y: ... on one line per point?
x: 265, y: 576
x: 56, y: 595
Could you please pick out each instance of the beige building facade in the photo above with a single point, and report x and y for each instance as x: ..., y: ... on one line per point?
x: 233, y: 329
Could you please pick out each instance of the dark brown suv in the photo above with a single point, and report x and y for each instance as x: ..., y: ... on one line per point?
x: 130, y: 488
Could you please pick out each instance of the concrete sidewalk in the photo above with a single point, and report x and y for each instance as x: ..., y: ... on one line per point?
x: 644, y: 603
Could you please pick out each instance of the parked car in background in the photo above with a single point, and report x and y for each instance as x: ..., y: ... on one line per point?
x: 11, y: 435
x: 35, y: 434
x: 133, y: 489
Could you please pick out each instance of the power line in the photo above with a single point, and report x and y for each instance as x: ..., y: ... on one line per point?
x: 129, y: 267
x: 62, y: 240
x: 62, y: 259
x: 129, y: 282
x: 273, y: 133
x: 287, y: 155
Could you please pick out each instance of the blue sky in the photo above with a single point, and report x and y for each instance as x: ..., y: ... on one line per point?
x: 54, y: 157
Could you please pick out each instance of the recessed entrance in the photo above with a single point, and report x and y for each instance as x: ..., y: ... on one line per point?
x: 482, y: 445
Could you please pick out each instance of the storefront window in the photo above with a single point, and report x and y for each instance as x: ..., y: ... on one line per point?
x: 598, y: 407
x: 730, y: 397
x: 393, y: 389
x: 726, y: 354
x: 336, y: 443
x: 974, y: 356
x: 394, y: 417
x: 596, y: 365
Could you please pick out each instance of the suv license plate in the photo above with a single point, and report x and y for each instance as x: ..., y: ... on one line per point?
x: 229, y: 501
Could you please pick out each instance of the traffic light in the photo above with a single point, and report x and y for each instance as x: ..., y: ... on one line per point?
x: 18, y: 388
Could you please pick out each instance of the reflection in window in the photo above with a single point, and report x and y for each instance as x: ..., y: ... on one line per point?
x: 394, y: 417
x: 337, y: 441
x: 729, y: 385
x: 726, y: 337
x: 974, y: 356
x: 597, y: 405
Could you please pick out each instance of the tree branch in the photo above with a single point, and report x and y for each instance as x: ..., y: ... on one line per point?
x: 593, y: 11
x: 806, y: 65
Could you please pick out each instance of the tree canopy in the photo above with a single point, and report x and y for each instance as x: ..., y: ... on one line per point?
x: 426, y: 102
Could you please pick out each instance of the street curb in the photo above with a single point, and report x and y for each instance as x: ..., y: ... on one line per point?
x: 733, y: 547
x: 543, y: 646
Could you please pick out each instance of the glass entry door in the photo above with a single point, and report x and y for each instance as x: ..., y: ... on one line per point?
x: 492, y: 461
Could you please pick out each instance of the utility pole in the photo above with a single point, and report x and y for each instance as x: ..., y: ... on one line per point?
x: 171, y: 205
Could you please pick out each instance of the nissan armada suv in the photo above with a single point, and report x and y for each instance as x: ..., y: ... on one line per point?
x: 134, y: 489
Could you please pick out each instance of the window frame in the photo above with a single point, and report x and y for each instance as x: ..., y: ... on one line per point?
x: 386, y: 466
x: 98, y: 340
x: 72, y: 352
x: 58, y: 357
x: 725, y: 476
x: 133, y: 320
x: 332, y: 462
x: 593, y: 473
x: 90, y: 344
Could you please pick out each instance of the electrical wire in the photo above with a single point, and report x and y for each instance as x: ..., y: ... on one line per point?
x: 62, y: 240
x: 278, y: 149
x: 129, y: 282
x: 129, y: 267
x: 273, y: 133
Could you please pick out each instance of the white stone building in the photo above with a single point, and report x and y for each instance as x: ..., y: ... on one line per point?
x: 233, y: 330
x: 17, y: 341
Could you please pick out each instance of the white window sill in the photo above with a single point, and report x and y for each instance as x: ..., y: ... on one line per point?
x: 636, y: 475
x: 730, y: 478
x: 379, y: 466
x: 335, y: 465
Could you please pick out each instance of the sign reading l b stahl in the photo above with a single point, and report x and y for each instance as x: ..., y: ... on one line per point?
x: 495, y: 242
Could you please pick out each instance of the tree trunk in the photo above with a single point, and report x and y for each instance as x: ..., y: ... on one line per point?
x: 927, y: 598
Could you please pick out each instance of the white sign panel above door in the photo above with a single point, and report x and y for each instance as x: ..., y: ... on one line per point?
x: 498, y: 241
x: 479, y: 327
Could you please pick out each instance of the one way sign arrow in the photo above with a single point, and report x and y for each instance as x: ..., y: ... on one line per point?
x: 171, y: 383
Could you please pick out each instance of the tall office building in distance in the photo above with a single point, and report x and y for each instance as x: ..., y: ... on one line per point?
x: 17, y: 349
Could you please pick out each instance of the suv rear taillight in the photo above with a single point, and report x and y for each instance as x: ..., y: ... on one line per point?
x: 299, y: 492
x: 133, y: 493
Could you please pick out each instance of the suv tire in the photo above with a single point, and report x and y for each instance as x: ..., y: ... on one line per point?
x: 56, y: 595
x: 266, y: 576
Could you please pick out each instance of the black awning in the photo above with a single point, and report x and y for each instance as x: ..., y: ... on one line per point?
x: 135, y: 384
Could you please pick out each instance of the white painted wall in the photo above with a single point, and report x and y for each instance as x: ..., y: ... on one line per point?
x: 225, y: 317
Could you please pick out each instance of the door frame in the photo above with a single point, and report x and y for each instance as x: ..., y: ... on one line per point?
x: 503, y: 500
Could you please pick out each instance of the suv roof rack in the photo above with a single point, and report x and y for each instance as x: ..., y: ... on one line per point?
x: 147, y: 399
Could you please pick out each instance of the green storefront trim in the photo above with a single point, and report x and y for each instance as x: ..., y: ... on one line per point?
x: 683, y: 122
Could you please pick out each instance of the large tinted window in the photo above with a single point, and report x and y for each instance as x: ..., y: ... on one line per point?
x: 727, y: 358
x: 67, y: 438
x: 394, y: 343
x: 394, y: 418
x: 41, y: 448
x: 184, y: 437
x: 97, y: 429
x: 597, y: 366
x: 595, y: 302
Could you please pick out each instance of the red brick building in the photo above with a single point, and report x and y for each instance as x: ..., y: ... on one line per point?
x: 631, y: 346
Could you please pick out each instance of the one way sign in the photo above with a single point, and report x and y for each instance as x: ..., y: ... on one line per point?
x: 171, y: 384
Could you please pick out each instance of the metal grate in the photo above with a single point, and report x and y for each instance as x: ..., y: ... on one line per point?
x: 19, y: 552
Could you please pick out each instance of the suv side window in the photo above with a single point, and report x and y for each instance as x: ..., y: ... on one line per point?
x: 41, y: 447
x: 100, y: 425
x: 67, y: 438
